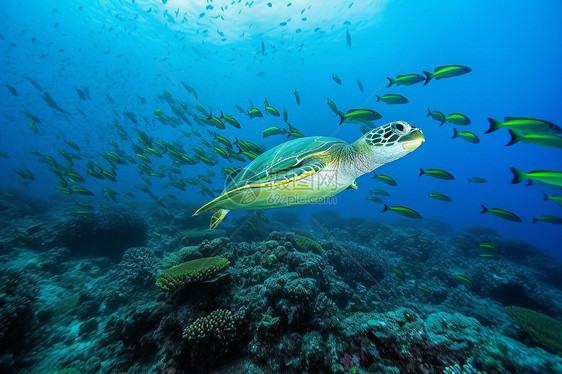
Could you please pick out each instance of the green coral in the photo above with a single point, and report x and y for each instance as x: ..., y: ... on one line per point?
x: 219, y: 326
x: 202, y: 269
x: 306, y: 244
x: 544, y: 330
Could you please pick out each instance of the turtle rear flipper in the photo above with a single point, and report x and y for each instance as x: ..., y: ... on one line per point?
x: 218, y: 217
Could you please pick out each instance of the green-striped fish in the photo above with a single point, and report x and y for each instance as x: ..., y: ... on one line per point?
x: 545, y: 140
x: 466, y: 135
x: 547, y: 177
x: 271, y: 110
x: 436, y: 115
x: 374, y: 199
x: 336, y: 79
x: 403, y: 211
x: 81, y: 191
x: 463, y: 279
x: 379, y: 192
x: 254, y: 112
x: 556, y: 198
x: 437, y: 173
x: 333, y: 106
x: 501, y: 213
x: 384, y: 178
x: 476, y: 180
x: 439, y: 196
x: 446, y: 71
x: 230, y: 120
x: 359, y: 115
x: 487, y: 247
x: 405, y: 80
x: 548, y: 219
x: 392, y: 99
x: 458, y: 119
x: 297, y: 97
x: 33, y: 127
x: 274, y: 130
x: 294, y: 132
x: 489, y: 256
x: 398, y: 273
x: 525, y: 125
x: 222, y: 140
x: 285, y: 115
x: 424, y: 289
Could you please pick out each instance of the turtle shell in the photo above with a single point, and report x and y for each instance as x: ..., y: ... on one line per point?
x: 276, y: 162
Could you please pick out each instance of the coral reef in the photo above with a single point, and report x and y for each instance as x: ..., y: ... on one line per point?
x: 353, y: 296
x: 203, y: 269
x: 544, y: 330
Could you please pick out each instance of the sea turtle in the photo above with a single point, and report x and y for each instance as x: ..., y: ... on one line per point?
x: 312, y: 169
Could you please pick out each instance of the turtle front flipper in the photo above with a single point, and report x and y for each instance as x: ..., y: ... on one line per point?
x: 218, y: 217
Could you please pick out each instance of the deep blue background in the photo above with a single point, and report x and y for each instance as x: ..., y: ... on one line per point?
x: 513, y: 48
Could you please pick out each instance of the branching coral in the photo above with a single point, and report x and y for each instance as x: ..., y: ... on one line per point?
x: 202, y: 269
x: 544, y: 330
x: 219, y: 326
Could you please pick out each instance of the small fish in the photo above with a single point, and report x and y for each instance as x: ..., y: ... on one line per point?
x: 463, y: 279
x: 348, y: 38
x: 33, y: 127
x: 458, y: 119
x: 297, y: 97
x: 392, y: 99
x: 545, y: 140
x: 254, y: 112
x: 398, y: 273
x: 294, y: 132
x: 271, y: 110
x: 487, y: 247
x: 437, y: 173
x: 439, y: 196
x: 403, y: 211
x: 333, y: 106
x: 466, y: 135
x: 488, y: 255
x: 224, y: 141
x: 556, y: 198
x: 360, y: 85
x: 156, y: 233
x: 501, y: 213
x: 72, y: 144
x: 525, y: 125
x: 547, y: 177
x: 336, y: 79
x: 476, y: 180
x: 12, y: 90
x: 436, y: 115
x: 230, y: 120
x: 274, y: 130
x: 285, y: 115
x: 548, y: 219
x: 384, y: 178
x: 424, y: 289
x: 405, y: 80
x: 359, y: 115
x: 81, y: 191
x: 446, y: 71
x: 374, y: 199
x: 379, y: 192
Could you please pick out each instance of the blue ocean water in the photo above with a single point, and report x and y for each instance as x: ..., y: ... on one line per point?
x: 124, y: 55
x: 138, y: 49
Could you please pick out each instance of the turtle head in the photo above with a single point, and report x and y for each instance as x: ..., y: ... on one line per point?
x: 393, y: 141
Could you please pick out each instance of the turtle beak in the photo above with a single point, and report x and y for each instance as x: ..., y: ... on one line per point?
x: 413, y: 140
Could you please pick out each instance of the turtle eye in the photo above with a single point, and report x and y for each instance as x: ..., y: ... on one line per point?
x: 400, y: 128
